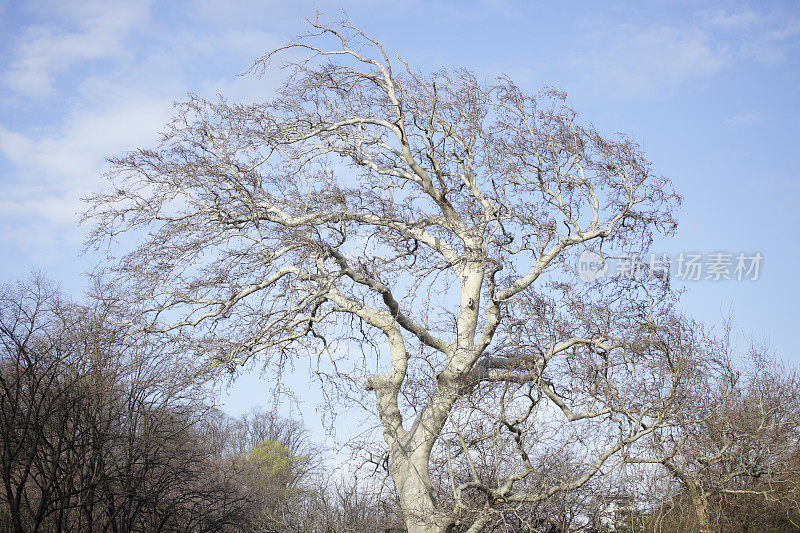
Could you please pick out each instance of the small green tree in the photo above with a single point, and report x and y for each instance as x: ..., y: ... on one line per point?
x: 274, y: 477
x: 275, y: 461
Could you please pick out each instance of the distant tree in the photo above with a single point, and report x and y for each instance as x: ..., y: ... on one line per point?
x: 416, y: 235
x: 730, y: 450
x: 355, y: 508
x: 41, y: 387
x: 279, y: 467
x: 98, y: 429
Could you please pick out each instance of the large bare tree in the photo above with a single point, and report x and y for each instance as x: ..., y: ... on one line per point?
x: 416, y: 235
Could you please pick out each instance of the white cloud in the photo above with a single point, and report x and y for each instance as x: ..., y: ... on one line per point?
x: 124, y: 104
x: 630, y: 61
x: 771, y: 45
x: 13, y: 145
x: 744, y: 119
x: 53, y: 169
x: 766, y: 37
x: 67, y: 153
x: 81, y: 31
x: 784, y: 193
x: 727, y: 20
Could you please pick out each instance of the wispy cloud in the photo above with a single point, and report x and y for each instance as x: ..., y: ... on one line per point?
x: 78, y: 31
x: 745, y: 118
x: 764, y: 36
x: 773, y: 46
x: 632, y: 61
x: 731, y: 20
x: 49, y: 171
x: 68, y: 153
x: 783, y: 191
x: 121, y: 104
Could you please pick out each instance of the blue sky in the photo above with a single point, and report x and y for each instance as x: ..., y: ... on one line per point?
x: 709, y: 89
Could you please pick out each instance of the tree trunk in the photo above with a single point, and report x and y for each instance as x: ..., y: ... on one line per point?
x: 411, y: 478
x: 410, y: 452
x: 700, y: 503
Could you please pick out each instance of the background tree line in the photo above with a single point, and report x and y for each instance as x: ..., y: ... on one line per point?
x: 105, y: 431
x: 101, y: 431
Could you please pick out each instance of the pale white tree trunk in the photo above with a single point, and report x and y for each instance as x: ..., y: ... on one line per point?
x: 414, y: 489
x: 410, y: 454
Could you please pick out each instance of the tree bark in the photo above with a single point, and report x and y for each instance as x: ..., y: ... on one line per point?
x: 700, y: 504
x: 412, y: 481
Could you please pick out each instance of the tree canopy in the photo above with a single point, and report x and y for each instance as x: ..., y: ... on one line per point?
x: 415, y: 234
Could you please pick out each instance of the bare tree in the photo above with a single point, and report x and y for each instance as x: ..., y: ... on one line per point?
x: 35, y: 394
x: 732, y: 439
x: 98, y: 428
x: 280, y: 467
x: 429, y: 225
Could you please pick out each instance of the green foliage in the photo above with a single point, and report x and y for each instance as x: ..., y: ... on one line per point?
x: 271, y: 460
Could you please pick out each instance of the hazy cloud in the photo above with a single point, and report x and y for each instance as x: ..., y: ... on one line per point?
x: 772, y: 46
x: 123, y: 105
x: 49, y: 171
x: 630, y: 61
x: 766, y: 37
x: 745, y: 118
x: 78, y: 31
x: 731, y: 20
